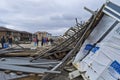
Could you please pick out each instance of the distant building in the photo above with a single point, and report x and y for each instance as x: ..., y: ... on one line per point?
x: 42, y: 34
x: 20, y: 35
x: 25, y: 36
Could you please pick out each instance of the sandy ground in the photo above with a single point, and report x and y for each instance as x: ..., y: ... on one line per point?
x: 62, y: 76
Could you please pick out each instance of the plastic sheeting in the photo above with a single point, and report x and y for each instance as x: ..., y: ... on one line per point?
x: 104, y: 63
x: 100, y: 29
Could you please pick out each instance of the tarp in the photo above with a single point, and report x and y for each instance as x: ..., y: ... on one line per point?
x: 100, y: 29
x: 103, y: 61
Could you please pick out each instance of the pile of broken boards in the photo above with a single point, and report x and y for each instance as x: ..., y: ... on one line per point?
x: 51, y: 60
x: 99, y: 56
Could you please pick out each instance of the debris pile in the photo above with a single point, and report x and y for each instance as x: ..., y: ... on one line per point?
x: 50, y: 61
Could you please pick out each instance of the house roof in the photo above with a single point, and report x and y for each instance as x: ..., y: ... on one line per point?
x: 3, y: 29
x: 12, y: 30
x: 25, y: 32
x: 6, y: 29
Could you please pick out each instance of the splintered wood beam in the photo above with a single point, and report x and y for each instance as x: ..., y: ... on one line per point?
x: 89, y: 10
x: 56, y: 55
x: 50, y: 57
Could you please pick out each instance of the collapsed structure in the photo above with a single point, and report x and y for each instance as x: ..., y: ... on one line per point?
x: 98, y: 58
x: 96, y: 44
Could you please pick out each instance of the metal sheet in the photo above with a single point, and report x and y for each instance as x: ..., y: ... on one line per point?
x: 21, y: 61
x: 25, y: 69
x: 10, y: 76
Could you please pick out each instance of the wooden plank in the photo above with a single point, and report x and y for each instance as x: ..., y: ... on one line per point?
x: 56, y: 55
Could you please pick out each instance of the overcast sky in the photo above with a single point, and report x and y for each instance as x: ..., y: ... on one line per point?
x: 53, y: 16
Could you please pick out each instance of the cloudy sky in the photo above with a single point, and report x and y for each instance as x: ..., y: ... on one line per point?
x: 53, y: 16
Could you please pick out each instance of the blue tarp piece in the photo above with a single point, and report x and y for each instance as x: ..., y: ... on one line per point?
x: 88, y: 47
x: 6, y: 45
x: 91, y: 47
x: 95, y: 49
x: 116, y: 66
